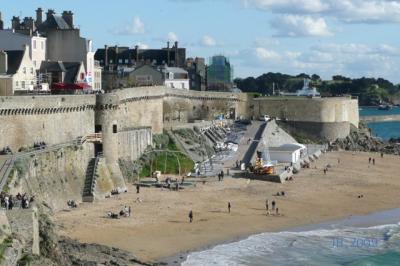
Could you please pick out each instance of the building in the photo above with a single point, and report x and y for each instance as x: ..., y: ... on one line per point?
x: 114, y: 58
x: 145, y: 75
x: 53, y: 38
x: 219, y: 74
x: 287, y: 153
x: 117, y: 62
x: 17, y: 72
x: 12, y: 40
x: 197, y: 73
x: 176, y: 78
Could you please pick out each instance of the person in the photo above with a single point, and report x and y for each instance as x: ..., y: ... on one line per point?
x: 176, y: 185
x: 248, y: 141
x: 198, y: 172
x: 10, y: 203
x: 369, y: 160
x: 6, y: 201
x: 381, y: 154
x: 237, y: 164
x: 338, y: 160
x: 137, y: 189
x: 277, y: 211
x: 227, y: 172
x: 324, y: 171
x: 267, y: 205
x: 191, y: 216
x: 373, y: 161
x: 229, y: 207
x: 273, y: 205
x: 129, y: 211
x: 222, y: 174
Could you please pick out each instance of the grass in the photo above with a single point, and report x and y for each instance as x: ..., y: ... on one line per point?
x: 7, y: 243
x: 167, y: 162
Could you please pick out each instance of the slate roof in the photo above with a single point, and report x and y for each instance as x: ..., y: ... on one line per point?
x: 14, y: 59
x: 71, y: 69
x: 52, y: 23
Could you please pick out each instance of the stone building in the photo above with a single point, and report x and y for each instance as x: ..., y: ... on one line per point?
x: 53, y: 38
x: 175, y: 78
x: 17, y: 72
x: 197, y: 73
x: 145, y: 76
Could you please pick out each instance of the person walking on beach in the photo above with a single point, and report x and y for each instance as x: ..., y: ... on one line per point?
x: 137, y: 189
x: 267, y: 205
x: 191, y: 216
x: 277, y: 211
x: 324, y: 171
x: 222, y: 175
x: 369, y: 160
x: 273, y: 205
x: 229, y: 207
x: 381, y: 154
x: 129, y: 211
x: 373, y: 161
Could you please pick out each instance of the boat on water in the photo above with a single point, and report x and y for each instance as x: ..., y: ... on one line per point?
x: 384, y: 107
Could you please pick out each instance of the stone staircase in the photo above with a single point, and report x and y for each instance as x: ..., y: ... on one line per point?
x: 90, y: 180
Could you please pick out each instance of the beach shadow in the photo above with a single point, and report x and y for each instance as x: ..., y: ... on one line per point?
x: 217, y: 211
x: 177, y: 222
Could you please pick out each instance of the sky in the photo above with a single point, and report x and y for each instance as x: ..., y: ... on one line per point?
x: 354, y: 38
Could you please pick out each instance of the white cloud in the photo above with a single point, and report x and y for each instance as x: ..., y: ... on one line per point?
x: 300, y: 26
x: 349, y: 59
x: 136, y: 26
x: 142, y: 45
x: 208, y: 41
x: 172, y: 37
x: 265, y: 55
x: 350, y: 11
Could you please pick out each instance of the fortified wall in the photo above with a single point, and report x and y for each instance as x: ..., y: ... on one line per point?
x: 328, y: 118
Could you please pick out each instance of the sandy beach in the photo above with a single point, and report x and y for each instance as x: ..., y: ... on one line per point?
x: 159, y: 227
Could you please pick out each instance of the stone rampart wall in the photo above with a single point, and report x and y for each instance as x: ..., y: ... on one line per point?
x: 52, y: 119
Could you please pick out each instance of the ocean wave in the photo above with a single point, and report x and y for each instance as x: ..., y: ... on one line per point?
x: 345, y: 246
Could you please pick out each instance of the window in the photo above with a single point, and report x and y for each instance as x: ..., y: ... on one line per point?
x: 120, y: 61
x: 126, y: 61
x: 114, y: 129
x: 42, y: 45
x: 111, y: 61
x: 34, y: 44
x: 23, y: 84
x: 31, y: 70
x: 17, y: 83
x: 183, y: 85
x: 24, y: 70
x: 34, y: 63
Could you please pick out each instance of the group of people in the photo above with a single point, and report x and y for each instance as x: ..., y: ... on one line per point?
x: 39, y: 145
x: 9, y: 202
x: 175, y: 186
x: 6, y: 150
x: 273, y: 207
x: 125, y: 212
x: 373, y: 159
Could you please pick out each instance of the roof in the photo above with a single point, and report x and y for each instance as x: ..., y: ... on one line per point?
x: 54, y: 22
x: 14, y: 59
x: 288, y: 147
x: 175, y: 70
x: 71, y: 69
x: 52, y: 66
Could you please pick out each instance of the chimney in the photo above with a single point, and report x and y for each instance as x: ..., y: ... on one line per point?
x: 137, y: 54
x: 116, y: 54
x: 49, y: 13
x: 39, y: 16
x: 105, y: 55
x: 176, y: 54
x: 29, y: 23
x: 168, y: 54
x: 15, y: 23
x: 3, y: 62
x: 1, y: 23
x: 68, y: 16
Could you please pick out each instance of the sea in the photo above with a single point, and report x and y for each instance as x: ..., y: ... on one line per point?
x: 351, y: 242
x: 384, y: 130
x: 372, y: 240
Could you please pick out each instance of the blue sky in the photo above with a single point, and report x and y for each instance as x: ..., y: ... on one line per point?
x: 348, y: 37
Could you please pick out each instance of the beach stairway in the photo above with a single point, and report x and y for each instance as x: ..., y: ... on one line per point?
x: 90, y: 180
x: 254, y: 144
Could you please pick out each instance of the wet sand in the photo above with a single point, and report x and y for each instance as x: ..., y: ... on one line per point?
x: 159, y: 227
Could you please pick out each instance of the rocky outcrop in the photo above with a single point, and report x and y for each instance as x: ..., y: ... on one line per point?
x: 362, y: 140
